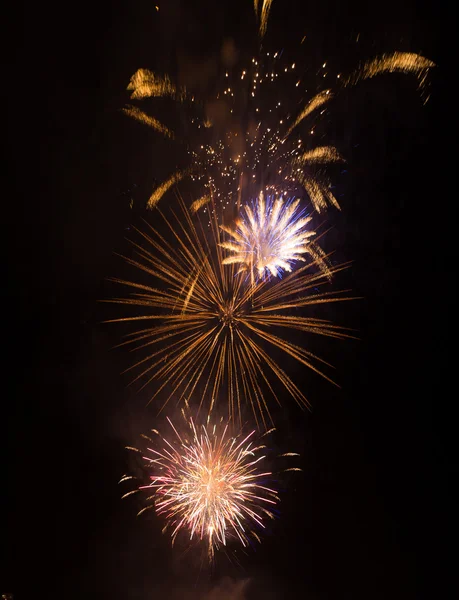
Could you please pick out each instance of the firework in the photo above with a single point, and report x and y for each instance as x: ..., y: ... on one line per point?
x: 269, y: 239
x: 212, y: 332
x: 209, y: 484
x: 264, y: 143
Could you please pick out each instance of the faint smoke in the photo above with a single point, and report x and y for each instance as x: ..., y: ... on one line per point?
x: 196, y: 73
x: 229, y: 53
x: 217, y: 112
x: 228, y: 589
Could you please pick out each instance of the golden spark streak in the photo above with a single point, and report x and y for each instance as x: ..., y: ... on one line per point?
x: 145, y: 84
x: 197, y: 204
x: 266, y: 7
x: 163, y: 188
x: 142, y: 117
x: 402, y: 62
x: 319, y: 100
x: 321, y: 154
x: 318, y: 193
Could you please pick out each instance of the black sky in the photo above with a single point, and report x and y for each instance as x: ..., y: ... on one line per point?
x: 369, y: 517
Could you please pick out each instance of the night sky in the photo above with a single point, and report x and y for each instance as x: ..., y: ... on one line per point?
x: 369, y: 516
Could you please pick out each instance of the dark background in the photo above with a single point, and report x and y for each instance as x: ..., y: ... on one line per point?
x: 369, y: 516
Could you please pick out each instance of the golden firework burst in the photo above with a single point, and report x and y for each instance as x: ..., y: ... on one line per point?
x: 208, y: 331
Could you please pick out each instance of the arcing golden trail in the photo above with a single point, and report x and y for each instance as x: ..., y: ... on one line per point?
x: 197, y: 204
x: 320, y: 154
x: 319, y: 100
x: 142, y: 117
x: 213, y: 329
x: 209, y: 484
x: 162, y: 189
x: 402, y: 62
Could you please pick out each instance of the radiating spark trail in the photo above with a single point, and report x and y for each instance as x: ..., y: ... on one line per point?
x: 210, y: 484
x: 209, y: 332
